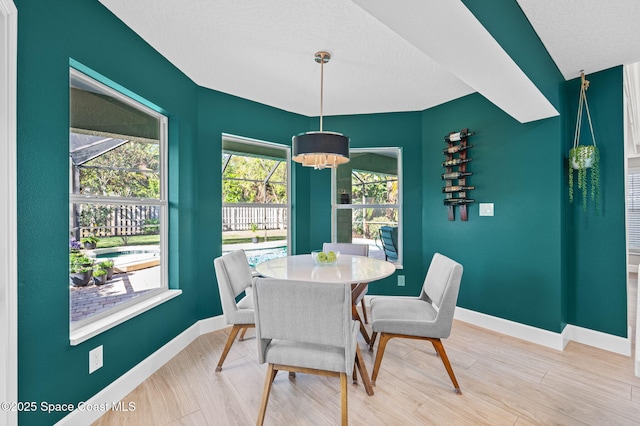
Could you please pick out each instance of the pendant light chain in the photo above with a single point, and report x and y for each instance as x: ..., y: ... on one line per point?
x: 321, y: 86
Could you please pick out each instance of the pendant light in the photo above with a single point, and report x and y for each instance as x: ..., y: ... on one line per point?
x: 321, y: 149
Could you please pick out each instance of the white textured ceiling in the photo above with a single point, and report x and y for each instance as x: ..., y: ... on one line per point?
x: 589, y: 35
x: 383, y: 59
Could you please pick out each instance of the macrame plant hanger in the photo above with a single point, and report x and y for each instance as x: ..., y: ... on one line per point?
x: 584, y: 157
x: 583, y: 103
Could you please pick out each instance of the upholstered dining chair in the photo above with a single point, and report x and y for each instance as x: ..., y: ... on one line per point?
x: 317, y: 338
x: 359, y: 290
x: 428, y: 317
x: 234, y: 277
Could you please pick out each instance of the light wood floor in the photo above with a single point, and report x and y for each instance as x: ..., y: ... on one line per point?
x: 505, y: 381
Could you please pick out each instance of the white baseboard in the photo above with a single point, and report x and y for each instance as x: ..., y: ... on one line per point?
x: 558, y: 341
x: 212, y: 324
x: 511, y: 328
x: 597, y: 339
x: 126, y: 383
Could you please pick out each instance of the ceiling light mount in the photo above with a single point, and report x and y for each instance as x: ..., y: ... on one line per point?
x: 322, y: 57
x: 321, y: 149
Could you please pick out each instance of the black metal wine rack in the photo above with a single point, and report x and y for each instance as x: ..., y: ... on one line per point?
x: 456, y: 174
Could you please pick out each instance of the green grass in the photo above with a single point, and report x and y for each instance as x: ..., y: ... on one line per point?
x: 135, y: 240
x: 236, y: 240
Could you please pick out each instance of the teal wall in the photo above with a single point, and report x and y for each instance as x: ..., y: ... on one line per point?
x: 512, y: 261
x: 539, y: 261
x: 596, y: 256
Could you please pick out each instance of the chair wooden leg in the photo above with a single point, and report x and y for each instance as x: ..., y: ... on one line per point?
x: 373, y: 340
x: 362, y: 367
x: 384, y: 338
x: 271, y: 375
x: 241, y: 338
x: 437, y: 344
x: 364, y: 311
x: 363, y: 330
x: 232, y: 335
x: 343, y: 399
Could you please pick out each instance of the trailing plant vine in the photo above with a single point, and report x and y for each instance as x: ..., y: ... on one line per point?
x: 583, y: 158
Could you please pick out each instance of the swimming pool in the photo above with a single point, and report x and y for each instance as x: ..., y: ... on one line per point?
x: 258, y: 256
x: 119, y: 254
x: 129, y: 258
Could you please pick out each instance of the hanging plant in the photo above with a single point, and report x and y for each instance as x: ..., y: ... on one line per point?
x: 581, y: 159
x: 584, y: 157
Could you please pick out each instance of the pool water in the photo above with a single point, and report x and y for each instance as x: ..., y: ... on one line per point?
x: 258, y: 256
x: 116, y: 254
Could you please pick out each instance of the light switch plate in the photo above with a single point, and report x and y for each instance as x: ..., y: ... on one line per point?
x: 486, y: 209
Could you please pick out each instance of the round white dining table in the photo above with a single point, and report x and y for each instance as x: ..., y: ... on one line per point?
x: 347, y: 270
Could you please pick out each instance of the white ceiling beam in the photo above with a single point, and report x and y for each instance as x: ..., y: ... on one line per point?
x: 448, y: 33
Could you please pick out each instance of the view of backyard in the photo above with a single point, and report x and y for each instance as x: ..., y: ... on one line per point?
x: 117, y: 200
x: 255, y: 202
x: 135, y: 271
x: 115, y: 247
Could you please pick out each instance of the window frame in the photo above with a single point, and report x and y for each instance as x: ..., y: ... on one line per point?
x: 335, y: 206
x: 287, y: 164
x: 84, y: 329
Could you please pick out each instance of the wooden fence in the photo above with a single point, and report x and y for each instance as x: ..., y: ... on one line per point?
x: 109, y: 221
x: 241, y: 218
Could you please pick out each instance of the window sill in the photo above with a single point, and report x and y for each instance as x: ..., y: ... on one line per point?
x: 88, y: 331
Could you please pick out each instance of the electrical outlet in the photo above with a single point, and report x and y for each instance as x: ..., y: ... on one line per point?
x: 95, y: 359
x: 400, y: 280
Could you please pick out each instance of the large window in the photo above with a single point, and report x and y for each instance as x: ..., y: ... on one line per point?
x: 367, y: 207
x: 117, y: 201
x: 633, y: 210
x: 255, y: 198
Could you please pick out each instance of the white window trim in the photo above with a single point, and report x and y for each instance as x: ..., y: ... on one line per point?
x: 121, y: 315
x: 92, y: 326
x: 336, y: 206
x: 8, y: 212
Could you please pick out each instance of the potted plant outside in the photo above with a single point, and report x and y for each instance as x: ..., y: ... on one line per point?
x: 107, y: 265
x: 74, y: 246
x: 100, y: 276
x: 254, y: 229
x: 80, y: 275
x: 79, y: 259
x: 89, y: 242
x: 80, y: 268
